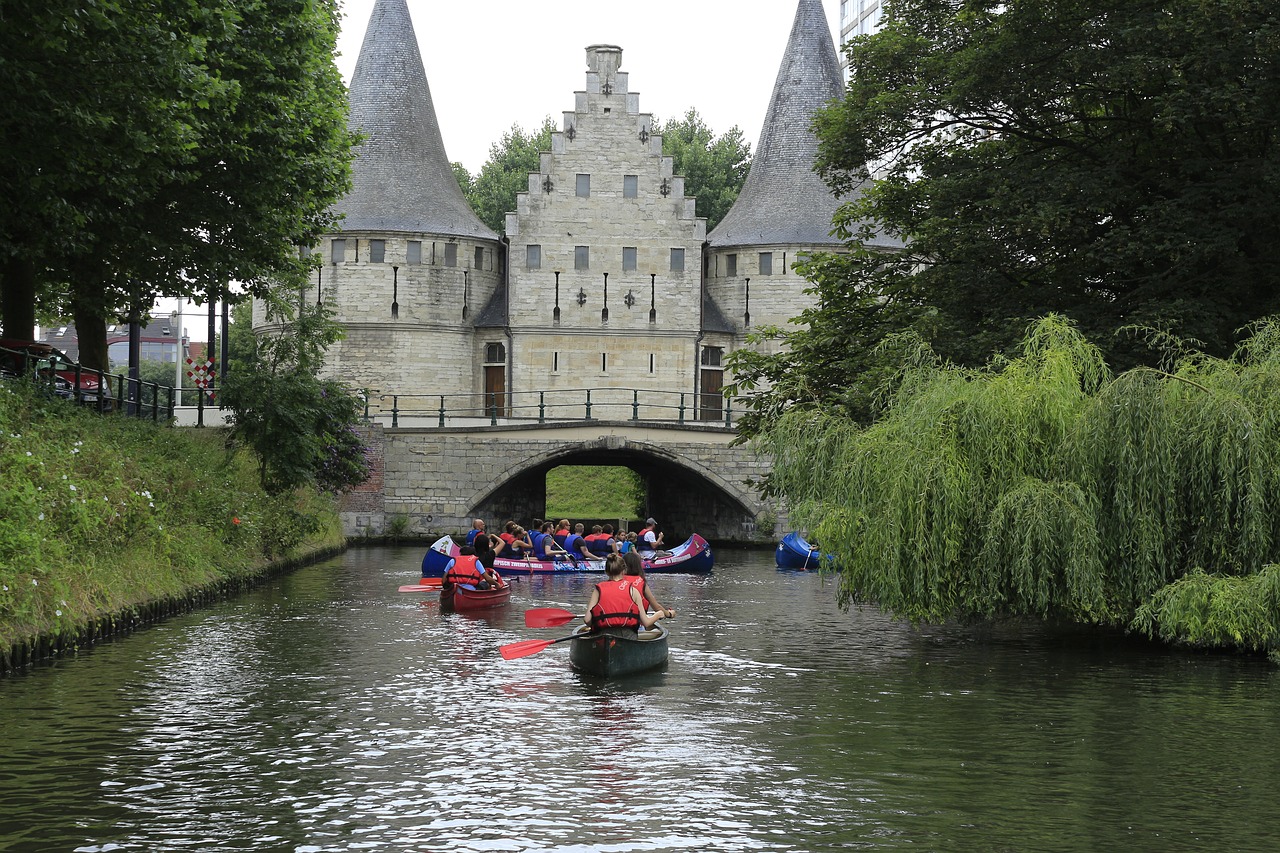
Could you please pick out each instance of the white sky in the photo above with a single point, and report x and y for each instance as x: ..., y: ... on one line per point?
x: 494, y: 63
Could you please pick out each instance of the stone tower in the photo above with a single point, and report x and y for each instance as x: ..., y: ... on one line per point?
x: 413, y: 265
x: 784, y: 209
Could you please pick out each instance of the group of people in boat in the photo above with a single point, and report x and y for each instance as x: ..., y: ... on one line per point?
x: 549, y: 540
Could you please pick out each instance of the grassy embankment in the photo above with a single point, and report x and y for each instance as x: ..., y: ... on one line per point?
x: 585, y: 492
x: 101, y: 515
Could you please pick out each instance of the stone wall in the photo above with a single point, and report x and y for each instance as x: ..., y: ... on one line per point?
x: 440, y: 479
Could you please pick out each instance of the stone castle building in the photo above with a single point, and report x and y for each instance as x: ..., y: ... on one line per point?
x: 604, y: 279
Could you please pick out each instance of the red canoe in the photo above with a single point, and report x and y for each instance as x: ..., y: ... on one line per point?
x: 453, y: 597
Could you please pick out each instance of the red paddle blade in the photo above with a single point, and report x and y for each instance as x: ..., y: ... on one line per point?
x: 427, y: 585
x: 547, y: 617
x: 524, y: 648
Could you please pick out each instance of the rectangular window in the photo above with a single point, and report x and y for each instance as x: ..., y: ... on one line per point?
x: 677, y: 260
x: 766, y: 263
x: 583, y: 189
x: 450, y: 254
x: 651, y: 362
x: 533, y: 257
x: 731, y: 265
x: 377, y: 251
x: 582, y: 257
x: 630, y: 185
x: 628, y: 258
x: 604, y: 362
x: 338, y: 248
x: 711, y: 356
x: 555, y: 362
x: 413, y: 254
x: 479, y: 263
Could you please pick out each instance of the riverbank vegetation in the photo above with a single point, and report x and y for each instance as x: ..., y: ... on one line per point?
x: 1045, y: 486
x: 102, y: 514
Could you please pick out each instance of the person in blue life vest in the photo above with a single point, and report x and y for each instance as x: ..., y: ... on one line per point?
x: 477, y: 527
x: 577, y: 546
x: 635, y: 573
x: 626, y: 543
x: 466, y: 570
x: 544, y: 544
x: 615, y: 603
x: 601, y: 541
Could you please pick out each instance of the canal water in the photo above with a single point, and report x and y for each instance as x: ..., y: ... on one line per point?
x: 328, y: 712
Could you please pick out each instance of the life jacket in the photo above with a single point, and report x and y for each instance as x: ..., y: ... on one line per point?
x: 615, y: 608
x: 466, y: 569
x: 643, y: 544
x: 598, y: 543
x: 471, y: 536
x: 512, y: 547
x: 560, y: 538
x: 572, y: 543
x: 539, y: 546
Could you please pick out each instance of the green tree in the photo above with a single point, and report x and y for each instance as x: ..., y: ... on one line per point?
x: 1043, y: 486
x: 492, y: 193
x: 714, y: 167
x: 165, y: 148
x: 841, y: 355
x: 302, y: 427
x: 465, y: 182
x: 1112, y: 160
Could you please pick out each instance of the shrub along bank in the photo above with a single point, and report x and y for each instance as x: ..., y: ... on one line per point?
x: 104, y: 520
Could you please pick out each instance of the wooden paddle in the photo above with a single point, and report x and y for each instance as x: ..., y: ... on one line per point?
x: 426, y: 585
x: 547, y: 617
x: 524, y: 648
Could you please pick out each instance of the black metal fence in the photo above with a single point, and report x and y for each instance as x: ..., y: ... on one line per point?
x: 97, y: 389
x: 561, y: 404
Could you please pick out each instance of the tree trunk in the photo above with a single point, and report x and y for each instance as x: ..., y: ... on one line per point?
x: 91, y: 330
x: 18, y: 298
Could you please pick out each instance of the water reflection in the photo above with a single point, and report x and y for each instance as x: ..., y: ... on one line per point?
x: 329, y: 712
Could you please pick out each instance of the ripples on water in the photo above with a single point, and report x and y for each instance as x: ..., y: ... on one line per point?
x: 328, y: 712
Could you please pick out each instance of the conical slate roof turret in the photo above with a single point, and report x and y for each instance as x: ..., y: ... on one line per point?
x: 401, y: 179
x: 783, y: 201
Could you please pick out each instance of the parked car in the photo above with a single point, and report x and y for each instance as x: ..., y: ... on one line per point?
x: 17, y: 357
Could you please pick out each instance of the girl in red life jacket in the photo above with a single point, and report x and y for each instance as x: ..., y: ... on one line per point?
x: 615, y: 602
x: 466, y: 570
x: 635, y: 573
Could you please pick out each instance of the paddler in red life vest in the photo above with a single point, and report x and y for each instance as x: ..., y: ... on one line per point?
x: 615, y: 602
x: 467, y: 570
x: 635, y: 573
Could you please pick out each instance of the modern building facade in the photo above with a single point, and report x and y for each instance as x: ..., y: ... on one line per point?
x: 604, y: 277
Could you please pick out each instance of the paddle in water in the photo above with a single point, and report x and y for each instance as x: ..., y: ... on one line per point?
x: 547, y: 617
x: 426, y: 585
x: 524, y: 648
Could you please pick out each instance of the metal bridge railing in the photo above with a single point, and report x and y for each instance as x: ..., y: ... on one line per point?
x: 553, y: 405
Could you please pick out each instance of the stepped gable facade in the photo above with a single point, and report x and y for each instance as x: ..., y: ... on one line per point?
x: 605, y: 277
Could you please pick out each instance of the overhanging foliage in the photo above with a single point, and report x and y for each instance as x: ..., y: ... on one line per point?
x: 1043, y: 486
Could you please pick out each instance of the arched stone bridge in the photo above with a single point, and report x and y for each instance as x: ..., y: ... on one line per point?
x: 438, y: 479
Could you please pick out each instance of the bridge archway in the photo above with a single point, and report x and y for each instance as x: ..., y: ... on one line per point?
x: 684, y: 495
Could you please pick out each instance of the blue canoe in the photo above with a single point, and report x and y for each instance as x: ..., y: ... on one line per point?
x: 795, y: 553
